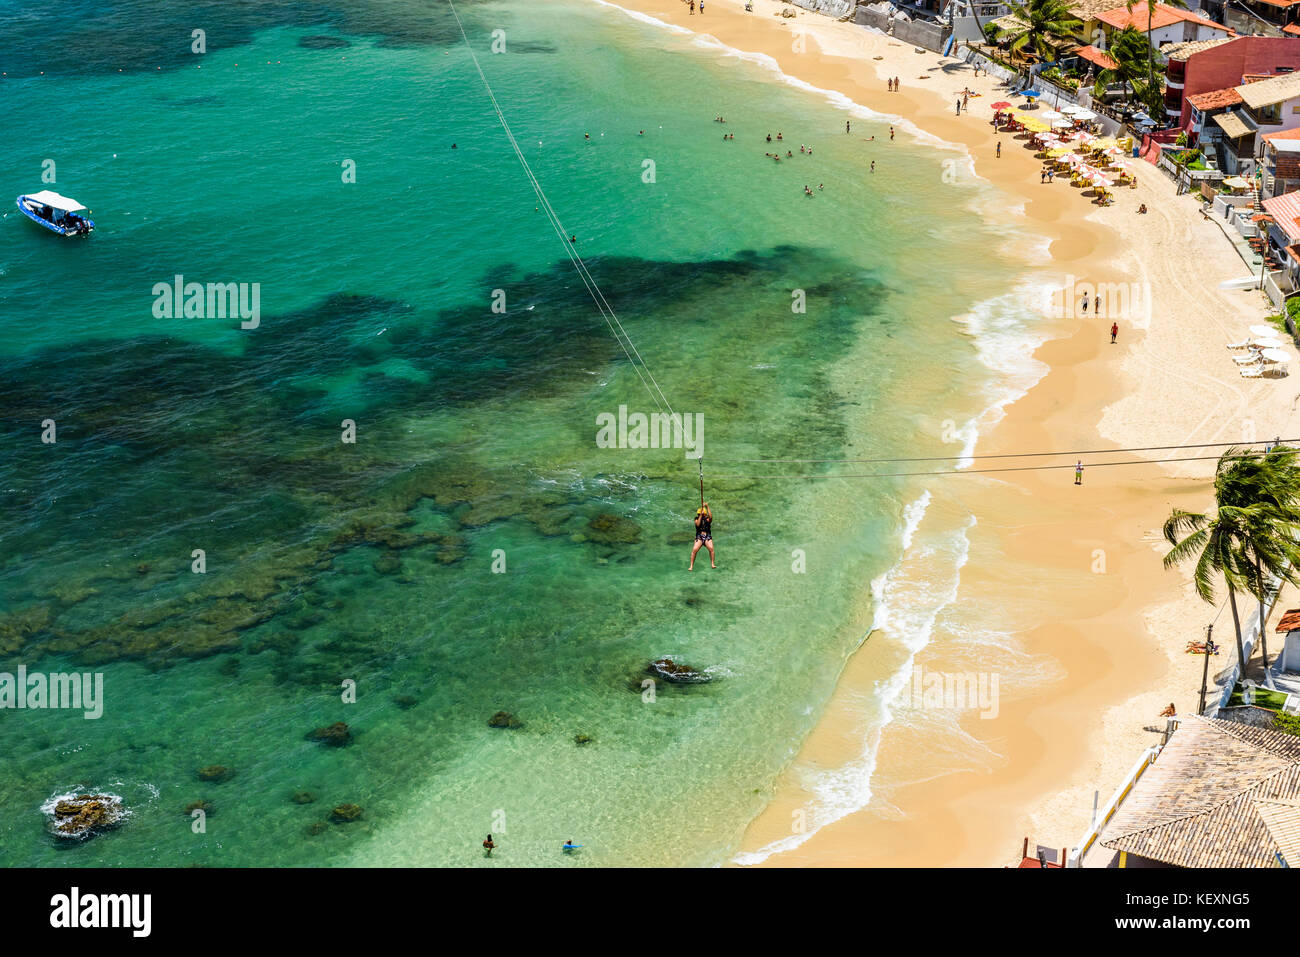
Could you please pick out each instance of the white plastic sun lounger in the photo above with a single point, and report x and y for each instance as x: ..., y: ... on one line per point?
x: 1246, y: 360
x: 1239, y: 345
x: 1252, y: 372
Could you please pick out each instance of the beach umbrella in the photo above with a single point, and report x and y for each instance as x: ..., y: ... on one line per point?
x: 1262, y: 330
x: 1000, y: 105
x: 1062, y: 124
x: 1267, y: 342
x: 1032, y: 94
x: 1051, y: 115
x: 1084, y: 115
x: 1072, y: 109
x: 1275, y: 355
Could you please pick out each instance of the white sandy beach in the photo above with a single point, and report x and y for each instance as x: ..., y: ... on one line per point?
x: 1117, y: 636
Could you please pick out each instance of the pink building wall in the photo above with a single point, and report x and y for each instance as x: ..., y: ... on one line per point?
x: 1223, y: 66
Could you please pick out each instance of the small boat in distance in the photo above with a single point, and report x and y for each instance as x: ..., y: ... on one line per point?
x: 56, y: 213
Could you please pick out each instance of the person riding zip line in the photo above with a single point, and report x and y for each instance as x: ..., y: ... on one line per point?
x: 703, y: 535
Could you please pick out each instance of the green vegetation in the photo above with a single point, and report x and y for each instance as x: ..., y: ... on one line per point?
x: 1041, y: 22
x: 1068, y: 80
x: 1132, y: 53
x: 1287, y: 723
x: 1264, y: 698
x: 1250, y: 539
x: 1156, y: 102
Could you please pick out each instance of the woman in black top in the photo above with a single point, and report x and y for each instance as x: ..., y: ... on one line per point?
x: 703, y: 535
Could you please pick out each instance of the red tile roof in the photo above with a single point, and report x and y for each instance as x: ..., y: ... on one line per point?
x: 1284, y: 135
x: 1285, y: 210
x: 1163, y: 16
x: 1099, y: 57
x: 1215, y: 99
x: 1292, y: 28
x: 1290, y: 621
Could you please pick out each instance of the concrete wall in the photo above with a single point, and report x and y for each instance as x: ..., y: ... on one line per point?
x: 917, y: 33
x: 832, y: 8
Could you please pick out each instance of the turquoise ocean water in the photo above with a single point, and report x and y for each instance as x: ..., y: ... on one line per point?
x: 373, y: 562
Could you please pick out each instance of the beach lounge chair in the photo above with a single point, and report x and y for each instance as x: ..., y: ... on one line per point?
x: 1252, y: 359
x: 1239, y: 345
x: 1252, y: 372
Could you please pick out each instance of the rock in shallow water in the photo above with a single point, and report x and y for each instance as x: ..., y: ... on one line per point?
x: 504, y: 719
x: 335, y: 735
x: 86, y: 815
x: 346, y: 813
x: 215, y: 773
x: 676, y: 673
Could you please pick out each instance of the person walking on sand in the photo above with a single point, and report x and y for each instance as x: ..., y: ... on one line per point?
x: 703, y: 535
x: 846, y: 126
x: 999, y: 149
x: 1084, y: 303
x: 1114, y: 331
x: 891, y: 132
x: 1078, y: 472
x: 488, y: 846
x: 692, y: 5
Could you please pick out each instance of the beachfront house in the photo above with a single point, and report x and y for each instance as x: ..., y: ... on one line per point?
x: 1204, y: 66
x: 1280, y: 163
x: 1187, y: 73
x: 1219, y: 794
x: 1266, y: 17
x: 1230, y: 124
x: 1215, y: 127
x: 1282, y: 229
x: 1167, y: 25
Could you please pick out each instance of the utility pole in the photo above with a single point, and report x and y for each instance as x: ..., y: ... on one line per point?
x: 1205, y: 671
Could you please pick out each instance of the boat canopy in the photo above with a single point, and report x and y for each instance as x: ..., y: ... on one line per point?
x: 55, y: 201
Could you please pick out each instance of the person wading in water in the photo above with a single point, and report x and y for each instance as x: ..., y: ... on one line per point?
x: 703, y: 535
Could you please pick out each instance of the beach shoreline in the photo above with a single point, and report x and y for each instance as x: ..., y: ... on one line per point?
x: 1074, y: 574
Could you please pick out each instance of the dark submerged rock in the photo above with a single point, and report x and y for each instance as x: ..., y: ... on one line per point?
x: 668, y: 670
x: 335, y: 735
x: 346, y: 813
x: 215, y: 773
x: 504, y: 719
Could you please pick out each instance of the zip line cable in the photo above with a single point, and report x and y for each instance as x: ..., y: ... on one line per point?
x: 1010, y: 455
x: 1020, y: 468
x: 593, y: 288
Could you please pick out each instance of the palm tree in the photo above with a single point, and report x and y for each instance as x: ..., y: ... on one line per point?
x: 1250, y: 539
x: 1129, y: 51
x: 1041, y: 22
x: 1216, y: 542
x: 1151, y: 48
x: 1271, y: 479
